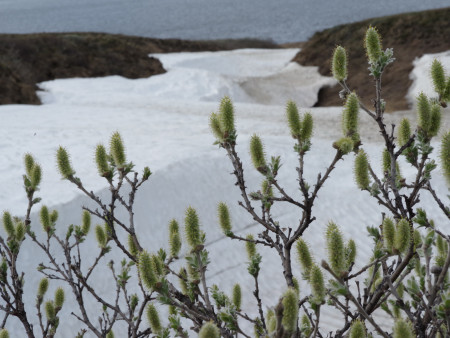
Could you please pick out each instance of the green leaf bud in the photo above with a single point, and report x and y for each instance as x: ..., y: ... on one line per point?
x: 257, y: 154
x: 350, y: 253
x: 8, y: 224
x: 339, y: 64
x: 237, y: 296
x: 372, y: 44
x: 423, y: 112
x: 403, y: 329
x: 59, y: 298
x: 336, y: 250
x: 101, y: 159
x: 86, y: 222
x: 4, y: 333
x: 209, y: 330
x: 132, y: 248
x: 350, y: 115
x: 250, y: 246
x: 63, y: 161
x: 100, y: 236
x: 36, y: 176
x: 50, y: 310
x: 293, y: 119
x: 402, y: 236
x: 361, y: 170
x: 153, y: 318
x: 388, y: 233
x: 117, y: 150
x: 110, y: 334
x: 20, y: 231
x: 214, y: 124
x: 304, y: 257
x: 42, y: 288
x: 435, y: 119
x: 404, y: 132
x: 357, y: 330
x: 307, y: 126
x: 192, y: 228
x: 227, y: 115
x: 344, y: 144
x: 438, y: 77
x: 317, y: 284
x: 445, y: 156
x: 45, y: 219
x: 290, y: 310
x: 174, y: 239
x: 224, y: 218
x: 29, y: 163
x: 146, y: 271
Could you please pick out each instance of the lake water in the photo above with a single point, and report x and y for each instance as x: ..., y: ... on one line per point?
x: 278, y: 20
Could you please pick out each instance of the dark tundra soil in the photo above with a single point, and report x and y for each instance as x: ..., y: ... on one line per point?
x: 411, y: 35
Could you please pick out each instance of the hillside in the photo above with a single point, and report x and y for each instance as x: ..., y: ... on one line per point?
x: 411, y: 35
x: 31, y: 58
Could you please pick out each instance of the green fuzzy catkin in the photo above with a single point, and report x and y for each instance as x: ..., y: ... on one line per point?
x: 117, y: 150
x: 306, y: 325
x: 100, y: 236
x: 402, y: 236
x: 435, y: 119
x: 158, y: 265
x: 271, y: 321
x: 417, y: 239
x: 423, y: 112
x: 372, y: 44
x: 350, y: 253
x: 357, y: 330
x: 336, y: 249
x: 174, y: 243
x: 445, y: 156
x: 132, y: 248
x: 290, y: 310
x: 153, y: 318
x: 45, y: 219
x: 59, y: 298
x: 8, y: 224
x: 350, y: 115
x: 42, y: 287
x: 403, y: 329
x: 214, y: 124
x: 101, y: 160
x: 307, y: 127
x: 28, y: 160
x: 304, y: 256
x: 183, y: 281
x: 36, y: 176
x: 134, y: 301
x: 257, y: 153
x: 85, y: 222
x: 192, y: 228
x: 361, y: 170
x: 50, y: 310
x: 63, y: 162
x: 386, y: 164
x: 227, y: 115
x: 293, y: 119
x: 4, y: 333
x: 237, y: 296
x: 345, y: 145
x: 388, y: 233
x: 404, y: 132
x: 317, y: 284
x: 224, y: 218
x: 20, y: 231
x: 209, y: 330
x: 296, y: 285
x: 446, y: 96
x: 441, y: 245
x: 54, y: 216
x: 110, y: 334
x: 438, y: 77
x: 266, y: 189
x: 146, y: 271
x: 250, y: 246
x: 339, y: 64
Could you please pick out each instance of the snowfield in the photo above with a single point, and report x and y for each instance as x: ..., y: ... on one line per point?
x: 164, y: 123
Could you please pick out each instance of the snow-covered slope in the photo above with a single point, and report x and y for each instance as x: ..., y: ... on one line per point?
x: 164, y: 123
